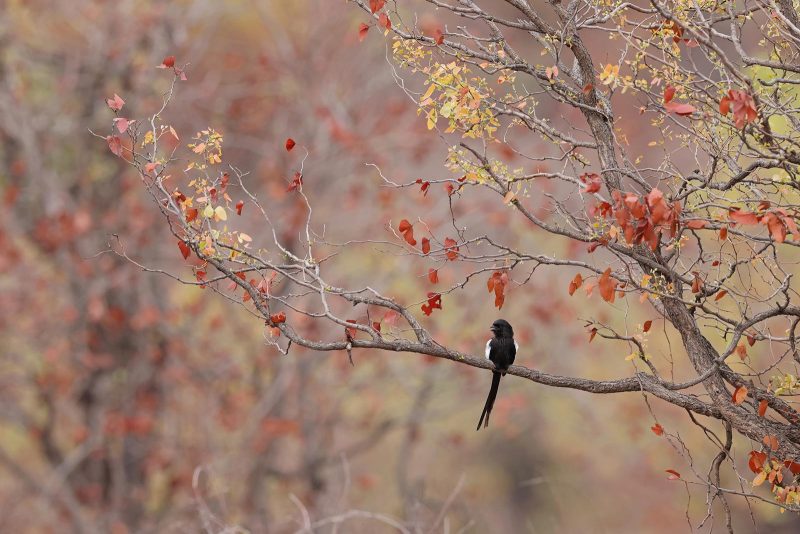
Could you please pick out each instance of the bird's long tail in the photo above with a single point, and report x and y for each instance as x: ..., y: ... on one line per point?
x: 487, y: 409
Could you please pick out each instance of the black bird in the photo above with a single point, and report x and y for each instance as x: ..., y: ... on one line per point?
x: 501, y: 349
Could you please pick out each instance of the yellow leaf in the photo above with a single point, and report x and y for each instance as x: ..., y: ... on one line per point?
x: 148, y: 138
x: 429, y: 92
x: 630, y: 357
x: 244, y: 238
x: 208, y: 211
x: 760, y: 478
x: 219, y: 214
x: 199, y: 148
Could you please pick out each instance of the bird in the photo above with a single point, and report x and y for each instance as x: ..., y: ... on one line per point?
x: 501, y: 350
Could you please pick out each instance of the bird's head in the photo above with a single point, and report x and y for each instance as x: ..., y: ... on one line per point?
x: 501, y: 328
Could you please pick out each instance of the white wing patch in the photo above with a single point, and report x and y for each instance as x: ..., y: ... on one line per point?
x: 516, y: 345
x: 488, y: 349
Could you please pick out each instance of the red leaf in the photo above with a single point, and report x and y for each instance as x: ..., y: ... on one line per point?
x: 239, y: 207
x: 191, y: 214
x: 592, y: 333
x: 384, y: 22
x: 376, y: 5
x: 407, y: 230
x: 756, y: 462
x: 592, y: 181
x: 739, y: 395
x: 725, y: 105
x: 647, y: 325
x: 297, y: 181
x: 451, y: 249
x: 751, y: 339
x: 168, y: 62
x: 696, y: 224
x: 607, y: 286
x: 362, y: 32
x: 776, y: 226
x: 762, y: 407
x: 423, y: 186
x: 575, y: 284
x: 434, y: 303
x: 277, y: 318
x: 673, y: 475
x: 743, y: 106
x: 720, y: 295
x: 433, y: 276
x: 290, y: 144
x: 114, y: 145
x: 115, y: 103
x: 681, y: 109
x: 793, y: 467
x: 122, y: 124
x: 657, y: 429
x: 742, y: 216
x: 185, y: 250
x: 723, y: 233
x: 669, y: 92
x: 376, y: 325
x: 438, y: 36
x: 426, y: 245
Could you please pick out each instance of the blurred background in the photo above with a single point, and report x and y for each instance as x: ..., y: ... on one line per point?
x: 132, y: 403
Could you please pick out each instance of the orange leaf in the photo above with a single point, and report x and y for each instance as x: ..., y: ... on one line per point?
x: 739, y: 395
x: 720, y: 295
x: 647, y: 325
x: 376, y: 5
x: 762, y: 407
x: 696, y: 283
x: 278, y: 318
x: 575, y: 284
x: 771, y: 441
x: 673, y: 475
x: 657, y: 429
x: 607, y: 286
x: 433, y: 276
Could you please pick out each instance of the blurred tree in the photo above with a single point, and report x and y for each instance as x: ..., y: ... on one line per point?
x: 688, y: 208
